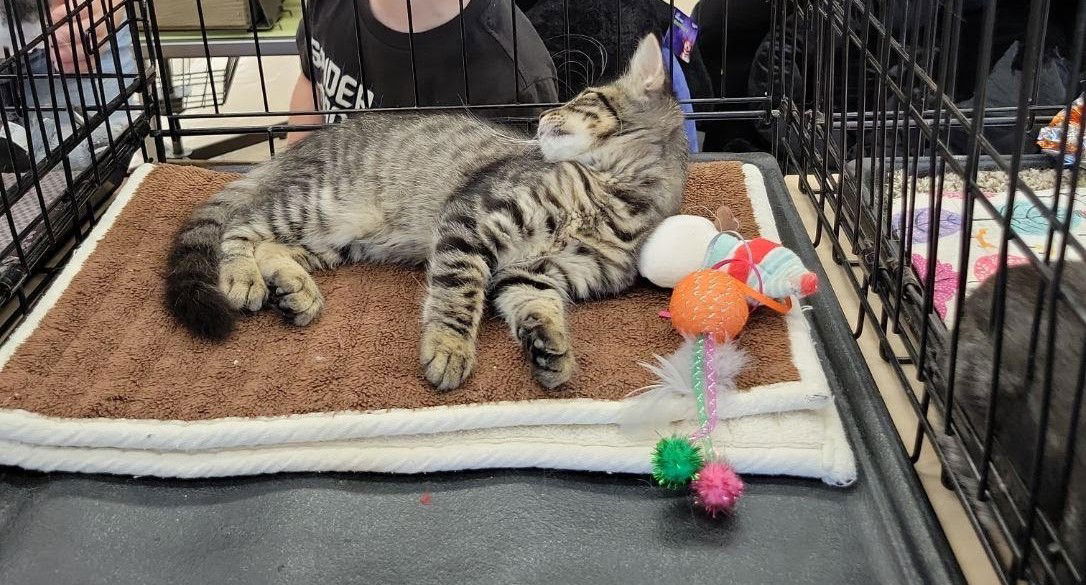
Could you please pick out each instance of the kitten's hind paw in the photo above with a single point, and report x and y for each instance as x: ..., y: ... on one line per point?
x: 447, y: 357
x: 550, y: 353
x: 300, y: 307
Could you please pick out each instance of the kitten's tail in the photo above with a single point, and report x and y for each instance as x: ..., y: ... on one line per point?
x: 192, y: 285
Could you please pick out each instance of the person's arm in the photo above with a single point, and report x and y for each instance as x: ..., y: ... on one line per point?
x: 302, y: 101
x: 75, y: 35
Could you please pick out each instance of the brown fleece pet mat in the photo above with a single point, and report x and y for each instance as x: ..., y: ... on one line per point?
x: 109, y: 349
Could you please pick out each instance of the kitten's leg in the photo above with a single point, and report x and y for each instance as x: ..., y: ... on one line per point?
x: 285, y: 269
x: 532, y: 297
x: 533, y: 305
x: 239, y: 276
x: 457, y: 276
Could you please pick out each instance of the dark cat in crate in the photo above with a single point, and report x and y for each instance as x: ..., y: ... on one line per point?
x: 1019, y: 403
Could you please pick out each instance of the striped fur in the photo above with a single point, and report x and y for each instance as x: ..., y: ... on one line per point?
x: 524, y: 225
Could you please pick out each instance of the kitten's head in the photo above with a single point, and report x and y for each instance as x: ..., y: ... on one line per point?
x: 636, y: 106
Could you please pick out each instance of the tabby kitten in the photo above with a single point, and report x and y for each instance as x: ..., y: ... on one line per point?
x: 524, y: 225
x: 1020, y: 402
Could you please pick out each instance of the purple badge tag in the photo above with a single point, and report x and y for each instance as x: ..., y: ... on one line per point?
x: 684, y: 32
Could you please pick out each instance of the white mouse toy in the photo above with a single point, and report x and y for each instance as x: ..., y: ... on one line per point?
x: 675, y: 248
x: 683, y: 244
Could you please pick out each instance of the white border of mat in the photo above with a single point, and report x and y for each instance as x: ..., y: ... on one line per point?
x: 332, y: 441
x: 804, y: 443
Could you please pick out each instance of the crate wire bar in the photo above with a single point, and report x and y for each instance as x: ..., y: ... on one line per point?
x: 196, y: 84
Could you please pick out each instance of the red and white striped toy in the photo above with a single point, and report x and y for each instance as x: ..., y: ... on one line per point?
x: 763, y: 264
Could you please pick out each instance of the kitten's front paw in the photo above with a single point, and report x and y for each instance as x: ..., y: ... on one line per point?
x: 447, y: 357
x: 549, y: 350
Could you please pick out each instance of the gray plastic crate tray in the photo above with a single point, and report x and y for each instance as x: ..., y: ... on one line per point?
x: 502, y: 526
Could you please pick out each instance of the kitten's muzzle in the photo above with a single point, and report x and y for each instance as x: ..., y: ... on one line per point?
x: 550, y: 128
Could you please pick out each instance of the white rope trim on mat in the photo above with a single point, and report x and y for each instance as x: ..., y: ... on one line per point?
x: 173, y: 435
x: 804, y: 356
x: 799, y: 331
x: 324, y: 458
x: 597, y: 448
x: 79, y: 257
x: 801, y: 341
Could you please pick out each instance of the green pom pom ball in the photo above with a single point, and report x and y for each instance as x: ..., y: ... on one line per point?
x: 675, y: 462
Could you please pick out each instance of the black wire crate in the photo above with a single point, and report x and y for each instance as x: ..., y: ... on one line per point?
x: 72, y: 116
x: 914, y: 128
x: 912, y: 125
x: 558, y: 48
x: 868, y: 100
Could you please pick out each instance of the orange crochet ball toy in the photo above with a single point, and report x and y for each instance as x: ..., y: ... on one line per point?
x: 713, y: 302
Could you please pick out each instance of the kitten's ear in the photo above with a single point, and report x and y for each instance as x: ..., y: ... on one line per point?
x: 647, y: 66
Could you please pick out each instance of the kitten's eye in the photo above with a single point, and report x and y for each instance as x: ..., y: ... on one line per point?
x: 600, y: 100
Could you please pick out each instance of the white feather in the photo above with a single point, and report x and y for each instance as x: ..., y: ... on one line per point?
x: 670, y: 398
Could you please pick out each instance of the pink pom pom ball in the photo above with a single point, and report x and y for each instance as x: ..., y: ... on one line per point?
x: 717, y: 488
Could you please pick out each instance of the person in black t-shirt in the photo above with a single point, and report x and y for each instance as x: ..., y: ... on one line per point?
x: 360, y: 55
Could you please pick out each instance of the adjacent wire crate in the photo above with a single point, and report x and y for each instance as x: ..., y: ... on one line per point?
x: 912, y: 126
x: 195, y: 84
x: 70, y: 122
